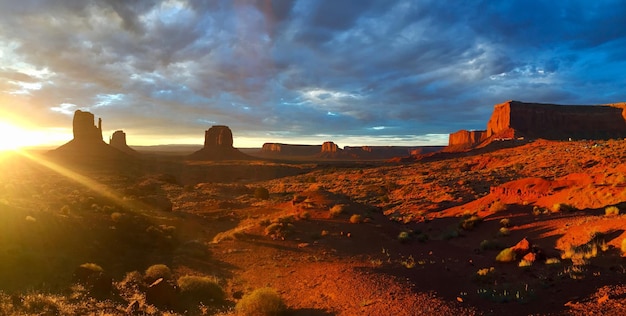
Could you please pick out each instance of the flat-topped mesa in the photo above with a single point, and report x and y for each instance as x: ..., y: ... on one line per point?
x: 278, y: 149
x: 514, y: 119
x: 218, y: 145
x: 118, y: 140
x: 84, y: 128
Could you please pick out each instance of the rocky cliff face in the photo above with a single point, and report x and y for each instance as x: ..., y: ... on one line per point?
x: 465, y: 139
x: 514, y: 119
x: 218, y: 145
x: 118, y: 140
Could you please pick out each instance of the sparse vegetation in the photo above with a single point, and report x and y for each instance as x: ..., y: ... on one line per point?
x: 356, y: 218
x: 157, y: 271
x: 470, y: 222
x: 337, y: 210
x: 506, y: 255
x: 261, y: 302
x: 261, y: 193
x: 490, y: 244
x: 611, y: 211
x: 200, y: 289
x: 503, y: 231
x: 404, y: 237
x: 497, y: 206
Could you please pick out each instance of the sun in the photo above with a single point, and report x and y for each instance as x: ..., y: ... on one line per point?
x: 13, y: 137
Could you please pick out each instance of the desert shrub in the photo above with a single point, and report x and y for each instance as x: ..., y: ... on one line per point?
x: 490, y: 245
x: 404, y: 237
x: 356, y: 218
x: 449, y: 234
x: 200, y: 289
x: 279, y: 230
x: 261, y: 193
x: 503, y: 231
x: 421, y: 237
x: 470, y: 222
x: 116, y: 216
x: 497, y: 206
x: 337, y: 210
x: 305, y: 215
x: 261, y: 302
x: 611, y: 211
x: 92, y: 267
x: 562, y: 207
x: 485, y: 275
x: 506, y: 255
x: 131, y: 281
x: 623, y: 246
x: 553, y: 261
x: 157, y: 271
x: 505, y: 222
x: 525, y: 263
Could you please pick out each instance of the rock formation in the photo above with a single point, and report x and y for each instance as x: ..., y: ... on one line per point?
x: 84, y: 128
x: 218, y: 145
x: 465, y: 139
x: 87, y: 147
x: 330, y: 147
x: 287, y: 150
x: 514, y: 119
x: 118, y: 140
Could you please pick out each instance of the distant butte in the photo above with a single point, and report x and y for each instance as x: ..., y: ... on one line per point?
x: 514, y: 119
x: 87, y: 145
x: 118, y: 140
x: 218, y: 145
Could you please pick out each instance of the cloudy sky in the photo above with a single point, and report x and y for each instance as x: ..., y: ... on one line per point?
x: 305, y: 71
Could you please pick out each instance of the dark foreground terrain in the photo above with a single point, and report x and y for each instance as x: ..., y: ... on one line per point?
x: 168, y: 236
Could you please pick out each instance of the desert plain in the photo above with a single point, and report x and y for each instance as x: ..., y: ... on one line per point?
x: 410, y: 237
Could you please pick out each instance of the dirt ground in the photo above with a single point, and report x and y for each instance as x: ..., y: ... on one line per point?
x: 386, y: 238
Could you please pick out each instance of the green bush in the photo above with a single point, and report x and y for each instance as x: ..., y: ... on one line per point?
x: 200, y: 289
x: 261, y: 302
x: 157, y: 271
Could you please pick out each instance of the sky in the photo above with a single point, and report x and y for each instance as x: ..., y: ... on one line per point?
x: 360, y: 72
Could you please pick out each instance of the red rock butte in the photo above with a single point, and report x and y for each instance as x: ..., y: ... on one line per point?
x: 218, y: 145
x: 514, y: 119
x: 118, y: 140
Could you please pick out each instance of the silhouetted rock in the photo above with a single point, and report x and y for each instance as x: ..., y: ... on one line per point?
x: 87, y: 147
x: 84, y: 128
x: 118, y: 140
x: 218, y: 145
x: 276, y: 150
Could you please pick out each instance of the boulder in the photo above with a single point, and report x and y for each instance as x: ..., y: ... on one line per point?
x: 522, y: 247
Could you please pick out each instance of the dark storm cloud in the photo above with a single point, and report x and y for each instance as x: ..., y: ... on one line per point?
x: 389, y: 69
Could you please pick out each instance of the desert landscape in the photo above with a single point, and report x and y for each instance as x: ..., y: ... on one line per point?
x: 515, y: 219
